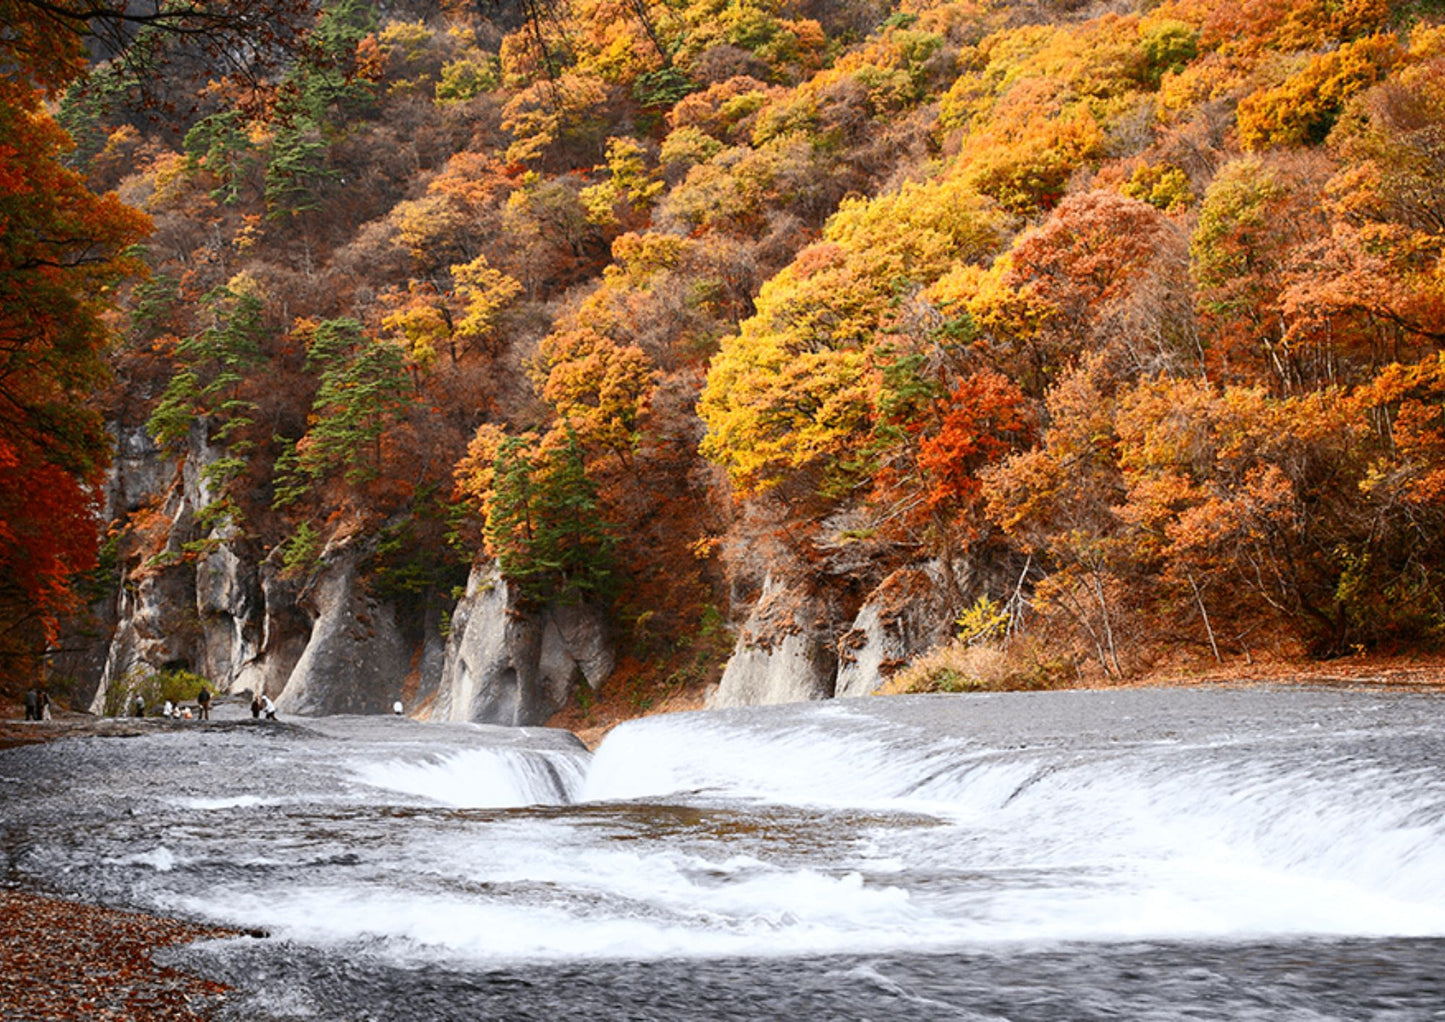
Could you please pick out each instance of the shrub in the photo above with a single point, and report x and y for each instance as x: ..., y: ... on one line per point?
x: 960, y: 667
x: 153, y: 688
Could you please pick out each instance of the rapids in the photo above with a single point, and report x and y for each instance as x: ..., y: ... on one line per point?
x: 1260, y: 853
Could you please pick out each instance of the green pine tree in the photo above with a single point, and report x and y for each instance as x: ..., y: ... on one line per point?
x: 212, y: 367
x: 543, y: 523
x: 363, y: 389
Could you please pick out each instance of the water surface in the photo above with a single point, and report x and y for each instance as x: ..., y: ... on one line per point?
x: 1153, y: 854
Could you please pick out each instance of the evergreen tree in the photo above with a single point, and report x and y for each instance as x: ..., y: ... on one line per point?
x: 212, y: 368
x: 509, y: 529
x: 543, y: 524
x: 219, y: 144
x: 362, y: 390
x: 572, y: 544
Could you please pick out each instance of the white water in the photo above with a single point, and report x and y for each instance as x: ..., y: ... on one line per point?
x: 485, y: 778
x: 824, y: 829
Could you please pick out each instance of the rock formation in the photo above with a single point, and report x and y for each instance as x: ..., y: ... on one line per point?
x: 784, y: 652
x: 907, y: 614
x: 509, y: 664
x: 355, y: 658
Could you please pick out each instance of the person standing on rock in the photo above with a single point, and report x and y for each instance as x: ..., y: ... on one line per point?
x: 255, y: 707
x: 203, y: 702
x: 32, y: 704
x: 268, y: 707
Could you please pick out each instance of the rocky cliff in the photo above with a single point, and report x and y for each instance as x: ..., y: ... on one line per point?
x: 791, y: 648
x: 355, y: 659
x: 195, y: 596
x: 510, y: 664
x: 199, y: 598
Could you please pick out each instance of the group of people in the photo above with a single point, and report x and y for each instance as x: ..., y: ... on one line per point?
x: 37, y: 704
x: 261, y: 704
x: 175, y: 710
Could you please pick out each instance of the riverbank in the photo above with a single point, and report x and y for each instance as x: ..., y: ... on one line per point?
x: 67, y: 960
x: 66, y: 724
x: 622, y: 699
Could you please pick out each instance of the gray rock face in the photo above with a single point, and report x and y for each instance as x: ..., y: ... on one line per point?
x: 139, y: 471
x: 285, y: 630
x: 508, y: 665
x: 229, y: 605
x: 156, y: 628
x: 356, y: 658
x: 208, y: 606
x: 153, y: 633
x: 216, y: 615
x: 907, y: 614
x: 783, y: 654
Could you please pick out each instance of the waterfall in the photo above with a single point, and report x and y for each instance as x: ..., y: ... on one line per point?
x: 483, y: 778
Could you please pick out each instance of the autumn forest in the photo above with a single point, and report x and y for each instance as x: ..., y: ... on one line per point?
x: 1127, y: 318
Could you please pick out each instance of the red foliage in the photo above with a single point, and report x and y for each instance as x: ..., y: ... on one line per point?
x: 988, y: 416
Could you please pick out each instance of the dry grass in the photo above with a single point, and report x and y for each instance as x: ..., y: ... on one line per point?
x: 984, y: 667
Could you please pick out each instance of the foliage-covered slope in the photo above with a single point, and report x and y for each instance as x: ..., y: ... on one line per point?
x: 1131, y: 315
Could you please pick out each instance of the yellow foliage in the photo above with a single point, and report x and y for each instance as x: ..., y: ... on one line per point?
x: 798, y: 384
x: 426, y: 225
x: 485, y: 292
x: 1024, y: 160
x: 1161, y: 186
x: 683, y: 147
x: 1302, y: 108
x: 1427, y: 42
x: 475, y: 474
x: 549, y: 111
x: 171, y: 175
x: 405, y: 41
x: 600, y: 388
x: 466, y: 77
x: 422, y: 323
x: 629, y: 184
x: 636, y: 258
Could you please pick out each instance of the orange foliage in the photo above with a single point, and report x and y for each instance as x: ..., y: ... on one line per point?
x: 1415, y: 395
x: 987, y: 416
x: 62, y: 251
x: 1302, y: 109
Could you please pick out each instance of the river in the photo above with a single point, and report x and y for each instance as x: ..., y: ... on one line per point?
x: 1158, y: 854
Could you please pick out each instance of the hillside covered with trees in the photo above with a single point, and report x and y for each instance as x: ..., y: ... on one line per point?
x: 1126, y: 318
